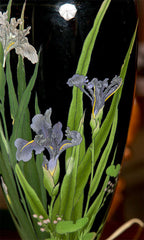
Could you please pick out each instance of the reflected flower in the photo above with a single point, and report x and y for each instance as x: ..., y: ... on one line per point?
x: 13, y: 38
x: 47, y: 137
x: 98, y: 91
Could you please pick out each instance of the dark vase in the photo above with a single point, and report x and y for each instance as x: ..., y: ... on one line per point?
x: 61, y: 43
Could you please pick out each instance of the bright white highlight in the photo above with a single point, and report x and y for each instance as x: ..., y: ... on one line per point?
x: 67, y: 11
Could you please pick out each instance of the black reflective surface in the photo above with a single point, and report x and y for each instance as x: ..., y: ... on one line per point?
x: 62, y: 40
x: 61, y: 43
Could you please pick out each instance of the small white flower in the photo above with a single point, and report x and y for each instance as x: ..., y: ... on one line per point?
x: 42, y: 229
x: 39, y: 223
x: 46, y: 221
x: 13, y: 38
x: 55, y: 222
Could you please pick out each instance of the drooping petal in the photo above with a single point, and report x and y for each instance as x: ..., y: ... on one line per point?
x: 28, y: 51
x: 25, y: 148
x: 77, y: 80
x: 113, y: 87
x: 76, y: 139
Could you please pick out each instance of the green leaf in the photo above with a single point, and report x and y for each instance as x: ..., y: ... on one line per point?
x: 113, y: 170
x: 18, y: 124
x: 78, y: 209
x: 88, y: 46
x: 63, y: 227
x: 74, y: 117
x: 31, y: 174
x: 31, y: 195
x: 37, y: 109
x: 104, y: 158
x: 48, y: 181
x: 50, y: 239
x: 99, y: 201
x: 89, y: 236
x: 95, y: 206
x: 1, y: 53
x: 15, y: 207
x: 21, y: 79
x: 2, y: 85
x: 43, y: 193
x: 55, y: 190
x: 67, y: 192
x: 127, y: 57
x: 56, y: 173
x: 2, y: 98
x: 23, y: 105
x: 11, y: 90
x: 9, y: 8
x: 4, y: 145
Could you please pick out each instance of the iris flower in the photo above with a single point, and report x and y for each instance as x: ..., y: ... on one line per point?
x: 47, y: 137
x: 98, y: 91
x: 13, y: 38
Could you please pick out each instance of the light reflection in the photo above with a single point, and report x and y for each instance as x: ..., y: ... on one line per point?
x: 67, y: 11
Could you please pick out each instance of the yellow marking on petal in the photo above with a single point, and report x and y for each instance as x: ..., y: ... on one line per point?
x: 8, y: 47
x: 93, y: 108
x: 51, y: 147
x: 113, y: 92
x: 27, y: 144
x: 64, y: 145
x: 52, y: 172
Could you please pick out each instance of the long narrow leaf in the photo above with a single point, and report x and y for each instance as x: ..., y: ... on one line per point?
x: 88, y: 46
x: 9, y: 8
x: 13, y: 102
x: 31, y: 196
x: 70, y: 181
x: 6, y: 172
x: 18, y: 124
x: 21, y: 78
x: 104, y: 158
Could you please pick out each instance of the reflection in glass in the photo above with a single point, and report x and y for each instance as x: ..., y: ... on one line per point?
x: 67, y: 11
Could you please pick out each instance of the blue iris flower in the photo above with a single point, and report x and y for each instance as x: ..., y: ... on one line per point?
x: 98, y: 91
x: 47, y: 137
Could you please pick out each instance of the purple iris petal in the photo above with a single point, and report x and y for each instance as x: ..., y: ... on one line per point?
x: 25, y: 148
x: 41, y: 123
x: 47, y: 137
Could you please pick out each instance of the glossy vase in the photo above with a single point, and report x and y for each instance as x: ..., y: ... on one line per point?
x: 61, y: 40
